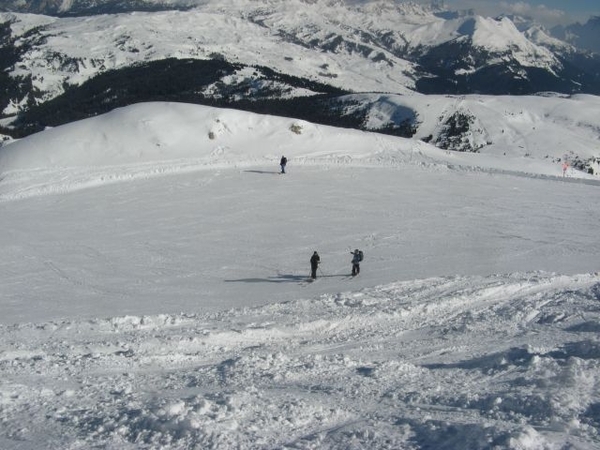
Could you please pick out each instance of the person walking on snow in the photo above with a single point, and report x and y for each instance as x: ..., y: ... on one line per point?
x: 282, y: 163
x: 314, y: 264
x: 357, y: 257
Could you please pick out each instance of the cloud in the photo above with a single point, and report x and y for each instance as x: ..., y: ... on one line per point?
x: 536, y: 10
x: 541, y: 12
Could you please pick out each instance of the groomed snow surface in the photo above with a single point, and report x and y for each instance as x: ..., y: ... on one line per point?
x: 154, y: 293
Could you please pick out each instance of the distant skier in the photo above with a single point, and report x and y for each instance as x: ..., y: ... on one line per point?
x: 314, y: 265
x: 565, y: 167
x: 283, y: 163
x: 357, y: 257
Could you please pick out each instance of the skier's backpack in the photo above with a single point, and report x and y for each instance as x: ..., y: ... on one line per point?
x: 360, y: 255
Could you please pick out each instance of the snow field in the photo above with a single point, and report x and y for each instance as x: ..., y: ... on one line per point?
x: 444, y: 362
x: 153, y: 290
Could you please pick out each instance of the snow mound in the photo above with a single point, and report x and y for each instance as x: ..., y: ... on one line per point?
x: 152, y: 133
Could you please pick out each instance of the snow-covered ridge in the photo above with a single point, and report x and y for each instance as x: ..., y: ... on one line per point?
x: 163, y: 132
x: 528, y: 135
x: 156, y: 139
x: 540, y: 127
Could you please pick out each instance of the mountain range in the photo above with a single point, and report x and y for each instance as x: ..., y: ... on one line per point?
x: 66, y: 60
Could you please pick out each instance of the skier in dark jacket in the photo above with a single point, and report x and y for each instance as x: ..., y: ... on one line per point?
x: 357, y: 257
x: 314, y: 264
x: 283, y: 163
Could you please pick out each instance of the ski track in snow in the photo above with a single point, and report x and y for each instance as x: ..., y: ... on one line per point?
x: 18, y: 185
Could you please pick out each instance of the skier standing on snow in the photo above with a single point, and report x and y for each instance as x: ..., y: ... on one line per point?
x: 357, y: 257
x: 282, y: 163
x: 314, y: 264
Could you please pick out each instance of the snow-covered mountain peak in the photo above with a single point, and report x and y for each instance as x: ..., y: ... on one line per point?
x: 402, y: 8
x: 541, y: 36
x: 498, y: 35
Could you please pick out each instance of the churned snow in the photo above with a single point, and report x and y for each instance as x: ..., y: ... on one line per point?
x: 154, y: 293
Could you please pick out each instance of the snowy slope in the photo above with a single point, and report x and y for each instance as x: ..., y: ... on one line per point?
x: 540, y: 127
x: 153, y: 289
x: 529, y: 134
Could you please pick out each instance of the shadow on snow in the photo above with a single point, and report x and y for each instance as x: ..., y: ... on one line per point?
x: 274, y: 172
x: 285, y: 278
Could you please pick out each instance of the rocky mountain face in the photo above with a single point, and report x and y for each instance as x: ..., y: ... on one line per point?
x: 586, y: 36
x: 292, y: 57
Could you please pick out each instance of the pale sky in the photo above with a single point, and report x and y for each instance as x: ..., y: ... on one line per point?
x: 547, y: 12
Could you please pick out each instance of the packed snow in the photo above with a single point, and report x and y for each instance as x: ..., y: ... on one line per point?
x: 154, y: 287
